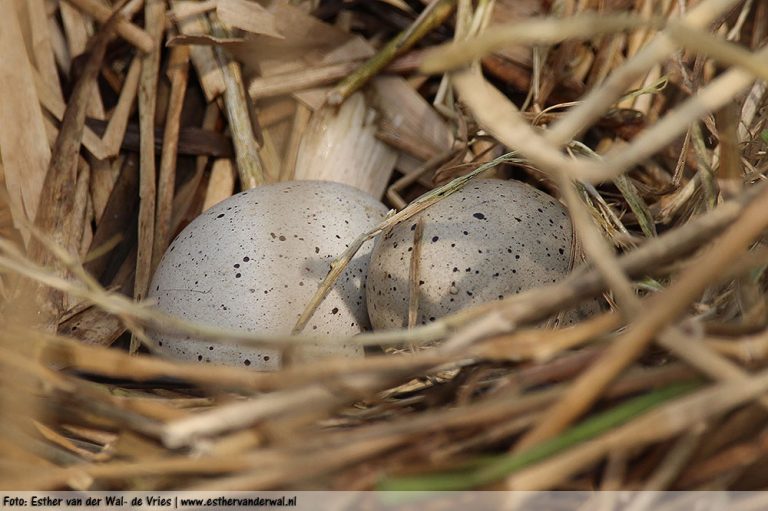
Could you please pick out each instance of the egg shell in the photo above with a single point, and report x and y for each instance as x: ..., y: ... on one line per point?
x: 254, y: 261
x: 491, y: 239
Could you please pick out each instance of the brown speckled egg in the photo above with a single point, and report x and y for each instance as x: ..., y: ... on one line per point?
x: 253, y: 262
x: 489, y: 240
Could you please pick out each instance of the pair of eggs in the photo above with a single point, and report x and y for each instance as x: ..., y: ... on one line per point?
x: 253, y: 262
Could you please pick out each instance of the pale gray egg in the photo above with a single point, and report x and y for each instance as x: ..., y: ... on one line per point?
x: 489, y: 240
x: 253, y: 262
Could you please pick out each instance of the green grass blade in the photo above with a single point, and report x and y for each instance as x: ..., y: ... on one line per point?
x: 501, y: 467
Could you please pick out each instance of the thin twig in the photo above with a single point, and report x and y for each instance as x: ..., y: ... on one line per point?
x: 432, y: 16
x: 452, y: 56
x: 413, y: 274
x: 249, y: 165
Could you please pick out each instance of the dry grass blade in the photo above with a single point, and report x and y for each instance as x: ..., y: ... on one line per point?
x: 221, y: 183
x: 413, y: 275
x: 301, y: 120
x: 116, y: 364
x: 407, y: 121
x: 26, y: 155
x: 531, y: 31
x: 42, y: 46
x: 714, y: 96
x: 304, y: 404
x: 118, y: 122
x: 294, y: 81
x: 286, y: 83
x: 248, y: 16
x: 603, y: 97
x: 732, y: 458
x: 716, y: 48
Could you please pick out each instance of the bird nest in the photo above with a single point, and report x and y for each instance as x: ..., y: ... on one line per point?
x: 646, y: 119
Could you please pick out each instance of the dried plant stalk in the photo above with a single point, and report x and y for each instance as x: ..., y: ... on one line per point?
x: 118, y: 122
x: 203, y: 57
x: 42, y: 46
x: 453, y: 56
x: 432, y: 16
x: 663, y: 309
x: 413, y: 274
x: 249, y: 165
x: 56, y: 211
x: 127, y: 30
x: 178, y: 68
x: 301, y: 120
x: 150, y: 64
x: 26, y: 154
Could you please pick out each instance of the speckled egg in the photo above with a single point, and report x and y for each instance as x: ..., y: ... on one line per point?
x: 491, y: 239
x: 253, y: 262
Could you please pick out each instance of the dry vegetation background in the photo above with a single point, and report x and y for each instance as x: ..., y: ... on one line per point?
x: 122, y: 121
